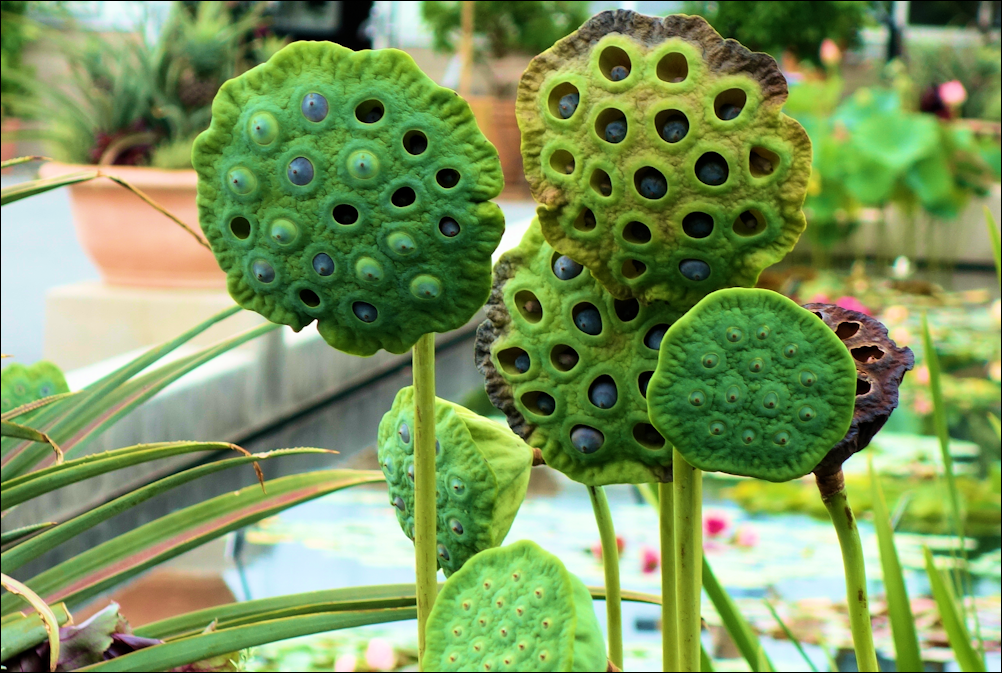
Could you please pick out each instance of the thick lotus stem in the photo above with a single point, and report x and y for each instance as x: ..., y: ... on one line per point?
x: 669, y: 622
x: 610, y: 562
x: 688, y: 487
x: 424, y: 482
x: 833, y: 494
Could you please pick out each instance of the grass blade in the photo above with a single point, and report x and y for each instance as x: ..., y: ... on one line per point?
x: 48, y: 619
x: 993, y: 233
x: 32, y: 406
x: 17, y: 431
x: 23, y: 190
x: 27, y: 631
x: 906, y: 645
x: 953, y: 618
x: 738, y: 628
x: 16, y: 161
x: 792, y: 638
x: 24, y: 531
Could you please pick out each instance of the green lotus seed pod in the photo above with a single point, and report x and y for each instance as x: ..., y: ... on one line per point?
x: 345, y: 151
x: 482, y: 472
x: 751, y: 384
x: 20, y: 385
x: 577, y: 395
x: 705, y: 188
x: 515, y: 608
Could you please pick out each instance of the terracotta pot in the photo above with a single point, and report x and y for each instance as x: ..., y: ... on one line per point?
x: 130, y: 242
x: 496, y: 118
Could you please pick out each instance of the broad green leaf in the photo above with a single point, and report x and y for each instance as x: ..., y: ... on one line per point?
x: 26, y: 631
x: 953, y: 618
x: 16, y: 557
x: 792, y: 638
x: 993, y: 233
x: 896, y: 140
x: 738, y: 628
x: 203, y: 646
x: 24, y: 531
x: 899, y: 608
x: 28, y: 188
x: 99, y: 568
x: 17, y: 431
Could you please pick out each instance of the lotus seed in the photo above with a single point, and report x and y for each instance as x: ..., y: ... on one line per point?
x: 748, y: 436
x: 448, y: 178
x: 770, y: 401
x: 457, y: 485
x: 522, y: 363
x: 717, y: 428
x: 410, y: 471
x: 728, y: 111
x: 710, y: 360
x: 314, y: 107
x: 763, y: 332
x: 756, y: 365
x: 615, y: 131
x: 362, y: 165
x: 789, y: 350
x: 404, y: 432
x: 781, y: 438
x: 711, y: 169
x: 364, y: 311
x: 263, y: 128
x: 733, y: 394
x: 300, y: 171
x: 284, y: 232
x: 653, y: 186
x: 675, y: 129
x: 697, y: 398
x: 589, y: 321
x: 807, y: 379
x: 655, y: 336
x: 401, y: 243
x: 806, y: 413
x: 604, y: 185
x: 618, y: 73
x: 443, y: 553
x: 585, y: 440
x: 417, y: 144
x: 455, y: 526
x: 644, y: 381
x: 368, y: 269
x: 603, y: 394
x: 241, y: 180
x: 734, y: 334
x: 426, y: 287
x: 449, y: 227
x: 323, y: 264
x: 694, y: 269
x: 398, y: 502
x: 545, y: 404
x: 697, y: 225
x: 566, y: 268
x: 568, y: 104
x: 263, y: 271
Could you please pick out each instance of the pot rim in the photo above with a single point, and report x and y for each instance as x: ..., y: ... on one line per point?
x: 143, y: 177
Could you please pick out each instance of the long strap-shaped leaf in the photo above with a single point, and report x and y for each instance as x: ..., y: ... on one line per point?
x: 738, y: 628
x: 23, y: 190
x: 28, y: 630
x: 33, y: 406
x: 48, y: 618
x: 101, y: 567
x: 16, y: 557
x: 16, y: 534
x: 953, y: 618
x: 11, y: 429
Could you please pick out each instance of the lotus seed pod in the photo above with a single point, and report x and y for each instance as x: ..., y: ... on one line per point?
x: 20, y: 384
x: 880, y: 368
x: 702, y: 134
x: 482, y: 472
x: 348, y: 188
x: 581, y: 400
x: 751, y: 384
x: 514, y: 608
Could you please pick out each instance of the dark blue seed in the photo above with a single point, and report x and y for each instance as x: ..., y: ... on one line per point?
x: 586, y: 440
x: 568, y: 104
x: 711, y: 169
x: 373, y: 115
x: 323, y: 264
x: 566, y: 268
x: 300, y: 171
x: 398, y: 502
x: 694, y: 269
x: 615, y: 130
x: 417, y: 144
x: 405, y: 433
x: 448, y: 226
x: 545, y: 404
x: 314, y: 107
x: 618, y: 73
x: 263, y: 271
x: 522, y: 363
x: 653, y: 186
x: 675, y: 129
x: 443, y: 553
x: 447, y: 177
x: 603, y: 394
x: 456, y: 526
x: 728, y: 111
x: 653, y: 338
x: 589, y: 321
x: 410, y: 471
x: 364, y: 311
x: 643, y: 381
x: 697, y: 225
x: 438, y: 447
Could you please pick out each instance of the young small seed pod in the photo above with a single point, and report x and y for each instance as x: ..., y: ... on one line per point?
x: 20, y: 384
x: 514, y: 608
x: 482, y: 472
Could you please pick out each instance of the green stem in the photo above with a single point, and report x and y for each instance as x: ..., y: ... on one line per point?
x: 688, y: 486
x: 669, y: 623
x: 425, y: 543
x: 834, y: 497
x: 610, y: 562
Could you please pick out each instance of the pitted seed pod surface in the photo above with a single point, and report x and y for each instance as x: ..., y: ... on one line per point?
x: 751, y: 384
x: 880, y: 367
x: 514, y: 608
x: 348, y: 188
x: 678, y: 179
x: 569, y: 364
x: 481, y: 472
x: 20, y: 384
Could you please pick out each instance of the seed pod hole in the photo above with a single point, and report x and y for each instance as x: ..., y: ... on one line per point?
x: 586, y: 439
x: 673, y: 68
x: 866, y: 354
x: 750, y: 223
x: 643, y: 381
x: 364, y: 311
x: 637, y: 233
x: 862, y: 387
x: 240, y: 227
x: 310, y: 298
x: 564, y: 267
x: 585, y: 221
x: 650, y: 183
x: 563, y: 101
x: 541, y: 404
x: 528, y: 306
x: 415, y: 142
x: 611, y: 126
x: 511, y: 359
x: 447, y: 178
x: 671, y: 125
x: 846, y: 330
x: 345, y: 214
x: 603, y: 392
x: 614, y: 64
x: 728, y: 104
x: 712, y: 170
x: 762, y: 162
x: 587, y: 318
x: 369, y: 112
x: 626, y: 309
x: 562, y: 162
x: 403, y: 197
x: 654, y: 336
x: 697, y: 225
x: 633, y: 268
x: 648, y: 437
x: 563, y: 357
x: 448, y: 226
x: 601, y: 182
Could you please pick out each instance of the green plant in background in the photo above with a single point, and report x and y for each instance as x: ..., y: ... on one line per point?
x: 17, y: 31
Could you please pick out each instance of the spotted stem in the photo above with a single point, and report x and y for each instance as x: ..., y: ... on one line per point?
x: 610, y: 563
x: 669, y: 619
x: 424, y: 483
x: 688, y: 487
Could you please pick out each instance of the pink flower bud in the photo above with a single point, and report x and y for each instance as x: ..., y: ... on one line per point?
x: 852, y: 304
x: 345, y: 663
x: 715, y: 523
x: 830, y: 53
x: 650, y: 560
x: 952, y: 93
x: 379, y: 655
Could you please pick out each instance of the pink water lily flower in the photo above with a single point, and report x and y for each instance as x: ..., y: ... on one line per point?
x: 830, y: 53
x: 379, y: 655
x: 746, y: 537
x: 650, y: 560
x: 345, y: 663
x: 952, y: 93
x: 852, y: 304
x: 715, y: 523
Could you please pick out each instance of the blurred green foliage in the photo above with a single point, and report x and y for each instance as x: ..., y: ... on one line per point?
x: 16, y: 30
